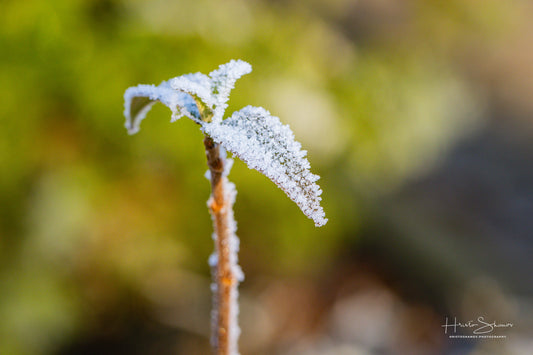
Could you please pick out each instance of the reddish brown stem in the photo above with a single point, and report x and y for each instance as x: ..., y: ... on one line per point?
x: 224, y: 323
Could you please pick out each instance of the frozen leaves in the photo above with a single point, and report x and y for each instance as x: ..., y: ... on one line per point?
x: 197, y: 96
x: 252, y: 134
x: 268, y: 146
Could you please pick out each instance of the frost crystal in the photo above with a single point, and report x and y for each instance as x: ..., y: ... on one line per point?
x: 268, y: 146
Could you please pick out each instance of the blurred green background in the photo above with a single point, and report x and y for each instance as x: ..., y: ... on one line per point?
x: 417, y: 114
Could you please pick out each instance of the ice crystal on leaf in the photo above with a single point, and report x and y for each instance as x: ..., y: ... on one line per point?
x: 252, y: 134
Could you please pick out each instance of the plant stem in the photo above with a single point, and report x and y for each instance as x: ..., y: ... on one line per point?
x: 225, y: 271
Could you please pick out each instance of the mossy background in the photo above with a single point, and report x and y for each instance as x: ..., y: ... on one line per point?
x: 417, y: 115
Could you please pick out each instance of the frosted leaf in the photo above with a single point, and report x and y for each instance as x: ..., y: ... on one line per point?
x: 139, y: 99
x: 222, y: 81
x: 197, y: 96
x: 268, y: 146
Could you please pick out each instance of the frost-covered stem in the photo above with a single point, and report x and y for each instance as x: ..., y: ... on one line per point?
x: 226, y: 274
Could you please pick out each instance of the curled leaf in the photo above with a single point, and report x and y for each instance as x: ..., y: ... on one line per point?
x: 268, y: 146
x: 138, y: 100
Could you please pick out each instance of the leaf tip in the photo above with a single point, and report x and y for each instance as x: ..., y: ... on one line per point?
x: 132, y: 129
x: 321, y: 222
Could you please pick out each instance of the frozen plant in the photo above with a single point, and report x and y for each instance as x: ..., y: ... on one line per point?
x: 251, y: 134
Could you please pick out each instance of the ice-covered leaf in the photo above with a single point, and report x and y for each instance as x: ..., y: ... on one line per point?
x: 222, y: 81
x: 268, y: 146
x: 139, y: 99
x: 197, y: 96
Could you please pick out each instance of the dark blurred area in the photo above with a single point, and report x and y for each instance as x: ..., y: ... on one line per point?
x: 417, y: 114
